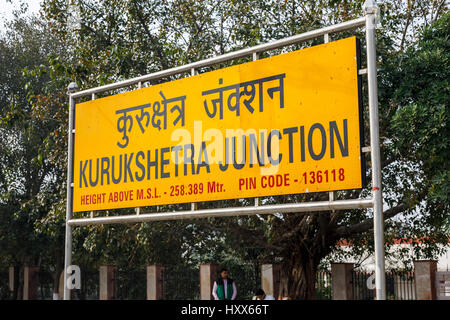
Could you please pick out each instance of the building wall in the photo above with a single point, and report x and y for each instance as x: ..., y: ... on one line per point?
x: 394, y: 260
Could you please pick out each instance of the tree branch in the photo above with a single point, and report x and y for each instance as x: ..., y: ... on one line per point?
x: 436, y: 15
x: 408, y: 21
x: 298, y: 227
x: 241, y: 233
x: 158, y: 47
x: 368, y: 223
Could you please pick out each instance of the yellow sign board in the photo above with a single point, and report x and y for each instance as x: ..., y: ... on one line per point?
x: 281, y: 125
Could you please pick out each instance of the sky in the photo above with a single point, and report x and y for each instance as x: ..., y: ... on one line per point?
x: 7, y: 7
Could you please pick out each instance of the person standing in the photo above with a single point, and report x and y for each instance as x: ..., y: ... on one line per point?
x: 224, y: 288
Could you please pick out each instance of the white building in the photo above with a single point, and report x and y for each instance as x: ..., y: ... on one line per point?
x: 395, y: 256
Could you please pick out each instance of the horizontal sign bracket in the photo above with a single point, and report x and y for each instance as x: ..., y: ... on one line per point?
x: 223, y: 212
x: 362, y: 71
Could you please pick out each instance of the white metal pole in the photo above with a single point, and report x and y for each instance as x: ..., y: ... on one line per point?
x: 370, y: 9
x: 68, y: 240
x: 229, y: 212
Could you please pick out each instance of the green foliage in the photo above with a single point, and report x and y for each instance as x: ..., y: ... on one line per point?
x: 420, y: 128
x: 27, y: 179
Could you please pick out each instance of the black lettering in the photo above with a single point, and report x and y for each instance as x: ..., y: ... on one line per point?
x: 175, y: 150
x: 105, y: 170
x: 140, y: 177
x: 114, y: 180
x: 152, y: 164
x: 310, y: 143
x: 93, y: 183
x: 189, y: 159
x: 343, y: 146
x: 164, y: 162
x: 224, y: 167
x: 252, y: 144
x: 203, y: 163
x: 302, y: 143
x: 236, y: 165
x: 269, y: 147
x: 290, y: 132
x: 127, y: 170
x: 83, y: 173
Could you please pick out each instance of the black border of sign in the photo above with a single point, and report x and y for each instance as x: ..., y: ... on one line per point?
x: 74, y: 112
x: 361, y: 114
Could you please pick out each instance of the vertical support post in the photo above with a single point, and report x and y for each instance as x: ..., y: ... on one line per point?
x: 61, y: 285
x: 341, y: 281
x: 68, y: 239
x: 11, y: 278
x: 270, y: 279
x: 442, y: 285
x: 30, y: 282
x: 425, y: 279
x: 155, y: 282
x: 370, y: 9
x: 208, y: 274
x: 108, y: 282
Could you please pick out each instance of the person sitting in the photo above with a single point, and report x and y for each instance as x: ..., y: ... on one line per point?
x: 261, y: 295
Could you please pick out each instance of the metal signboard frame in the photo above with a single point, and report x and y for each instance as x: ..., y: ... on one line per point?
x: 369, y: 22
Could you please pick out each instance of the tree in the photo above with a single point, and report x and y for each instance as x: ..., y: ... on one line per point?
x: 420, y: 132
x: 24, y: 173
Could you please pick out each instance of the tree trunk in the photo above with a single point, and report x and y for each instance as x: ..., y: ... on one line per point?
x: 301, y: 263
x: 301, y: 273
